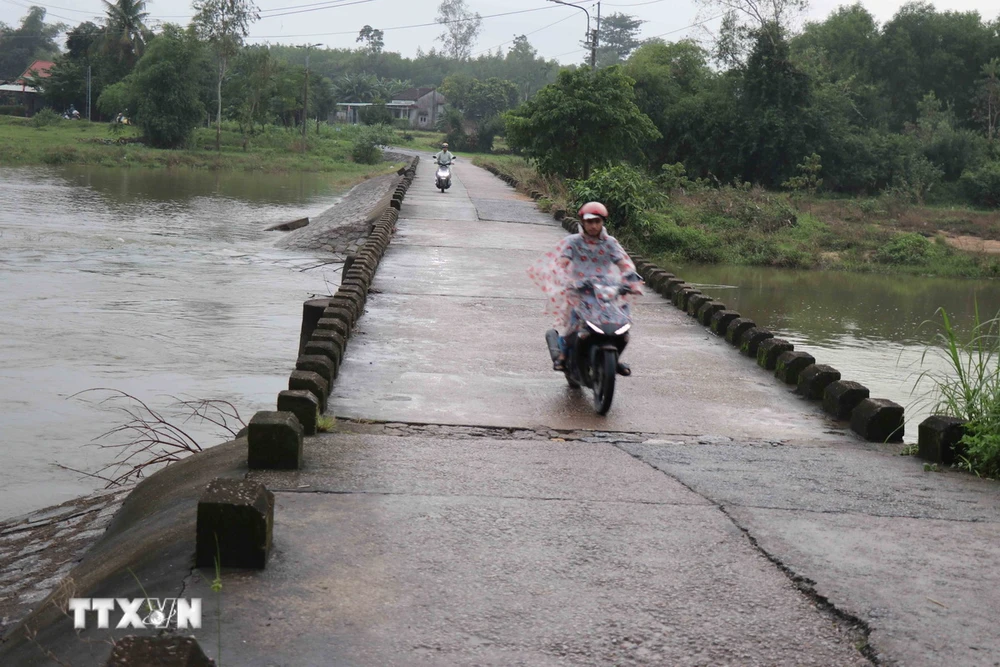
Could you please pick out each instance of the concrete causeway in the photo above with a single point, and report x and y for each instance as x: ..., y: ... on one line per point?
x: 471, y: 509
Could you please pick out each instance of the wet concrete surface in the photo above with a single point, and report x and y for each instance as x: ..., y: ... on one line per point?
x: 400, y: 550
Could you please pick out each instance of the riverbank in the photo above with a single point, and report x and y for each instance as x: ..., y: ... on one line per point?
x: 751, y: 227
x: 273, y: 150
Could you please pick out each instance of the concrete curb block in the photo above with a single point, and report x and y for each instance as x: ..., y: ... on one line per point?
x: 719, y: 324
x: 311, y: 382
x: 842, y: 396
x: 938, y: 439
x: 695, y: 301
x: 736, y: 329
x: 708, y: 310
x: 303, y: 404
x: 274, y: 441
x: 752, y: 338
x: 814, y: 380
x: 769, y: 350
x: 234, y: 525
x: 878, y: 420
x: 791, y: 364
x: 317, y: 363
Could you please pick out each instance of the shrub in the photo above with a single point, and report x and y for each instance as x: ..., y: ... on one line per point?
x: 376, y: 114
x: 44, y: 118
x: 751, y: 207
x: 12, y: 110
x: 628, y: 194
x: 691, y: 243
x: 904, y: 249
x: 982, y: 186
x: 368, y: 143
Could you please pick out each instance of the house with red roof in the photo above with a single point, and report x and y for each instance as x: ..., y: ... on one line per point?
x: 20, y: 92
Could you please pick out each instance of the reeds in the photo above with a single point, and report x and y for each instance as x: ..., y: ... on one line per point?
x: 970, y: 390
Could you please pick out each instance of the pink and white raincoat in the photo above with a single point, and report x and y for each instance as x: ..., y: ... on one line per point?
x: 601, y: 260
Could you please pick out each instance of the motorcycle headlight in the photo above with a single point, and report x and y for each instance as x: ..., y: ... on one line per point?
x: 625, y: 328
x: 594, y: 326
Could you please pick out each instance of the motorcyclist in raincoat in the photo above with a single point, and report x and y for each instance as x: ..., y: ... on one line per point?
x: 590, y: 255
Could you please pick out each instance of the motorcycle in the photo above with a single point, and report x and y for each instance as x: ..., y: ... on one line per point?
x: 442, y: 179
x: 593, y: 349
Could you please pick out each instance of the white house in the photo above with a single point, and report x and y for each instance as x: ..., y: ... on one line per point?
x: 422, y: 107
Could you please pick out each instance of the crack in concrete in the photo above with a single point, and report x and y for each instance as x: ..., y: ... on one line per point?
x: 857, y: 627
x: 807, y: 510
x: 410, y: 494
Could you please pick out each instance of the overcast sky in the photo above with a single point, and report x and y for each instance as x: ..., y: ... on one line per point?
x: 554, y: 30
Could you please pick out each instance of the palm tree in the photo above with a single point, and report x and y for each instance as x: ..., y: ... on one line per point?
x: 126, y: 31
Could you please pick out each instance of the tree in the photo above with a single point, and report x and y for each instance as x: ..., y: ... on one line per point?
x: 461, y: 28
x: 252, y: 85
x: 744, y: 21
x: 987, y: 110
x: 127, y: 33
x: 619, y: 37
x: 165, y: 89
x: 584, y: 119
x: 373, y: 39
x: 224, y: 24
x: 479, y: 100
x: 34, y: 39
x: 526, y: 69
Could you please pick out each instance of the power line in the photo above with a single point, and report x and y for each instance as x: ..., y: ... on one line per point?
x: 693, y: 25
x: 306, y: 11
x: 510, y: 41
x: 407, y: 27
x: 635, y: 4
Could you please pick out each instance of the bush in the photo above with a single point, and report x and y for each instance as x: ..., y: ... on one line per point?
x: 44, y: 118
x: 376, y: 114
x: 628, y: 194
x: 904, y: 249
x: 12, y: 110
x: 690, y: 243
x: 368, y: 143
x: 751, y: 207
x: 982, y: 186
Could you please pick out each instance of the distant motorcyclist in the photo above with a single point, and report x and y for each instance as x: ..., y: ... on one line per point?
x: 444, y: 157
x: 590, y: 255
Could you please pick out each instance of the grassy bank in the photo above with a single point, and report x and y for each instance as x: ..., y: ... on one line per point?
x: 274, y: 149
x: 748, y: 226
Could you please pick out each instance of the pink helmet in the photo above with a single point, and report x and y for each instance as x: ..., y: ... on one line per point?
x: 593, y: 208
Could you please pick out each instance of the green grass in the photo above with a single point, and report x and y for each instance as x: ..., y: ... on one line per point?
x: 970, y: 390
x: 274, y: 149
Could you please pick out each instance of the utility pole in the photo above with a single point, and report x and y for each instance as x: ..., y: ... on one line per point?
x: 88, y: 93
x: 596, y: 40
x: 305, y: 97
x: 591, y: 36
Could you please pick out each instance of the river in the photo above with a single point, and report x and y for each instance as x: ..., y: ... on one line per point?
x: 879, y: 330
x: 158, y: 283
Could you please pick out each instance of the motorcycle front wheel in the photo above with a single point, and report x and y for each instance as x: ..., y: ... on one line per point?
x: 604, y: 380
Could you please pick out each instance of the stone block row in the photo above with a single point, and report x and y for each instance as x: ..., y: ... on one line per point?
x: 876, y: 420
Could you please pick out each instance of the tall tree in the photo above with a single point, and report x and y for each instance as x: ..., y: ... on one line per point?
x: 373, y: 38
x: 461, y: 27
x: 987, y: 110
x: 618, y: 38
x: 224, y: 24
x: 127, y: 33
x: 34, y: 39
x: 744, y: 21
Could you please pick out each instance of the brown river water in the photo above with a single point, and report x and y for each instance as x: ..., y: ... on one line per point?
x: 158, y: 283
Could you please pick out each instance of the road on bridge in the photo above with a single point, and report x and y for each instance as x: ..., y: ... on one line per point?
x: 472, y: 509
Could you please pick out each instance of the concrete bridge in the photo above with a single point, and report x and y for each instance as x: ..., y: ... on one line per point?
x: 470, y: 508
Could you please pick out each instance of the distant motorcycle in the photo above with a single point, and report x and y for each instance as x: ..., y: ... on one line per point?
x: 442, y: 179
x: 592, y: 352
